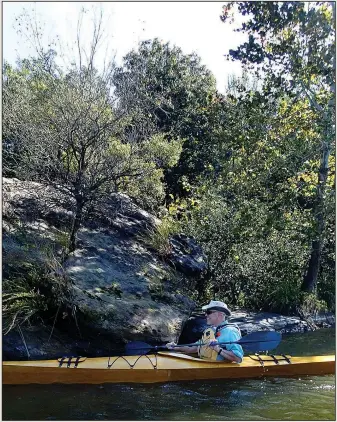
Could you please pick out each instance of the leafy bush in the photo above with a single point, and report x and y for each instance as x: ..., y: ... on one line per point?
x: 20, y: 303
x: 272, y: 269
x: 33, y: 290
x: 158, y: 238
x: 326, y: 285
x: 310, y: 304
x: 253, y: 261
x: 154, y: 156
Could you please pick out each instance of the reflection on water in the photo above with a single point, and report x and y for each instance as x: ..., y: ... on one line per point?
x: 305, y: 398
x: 320, y: 342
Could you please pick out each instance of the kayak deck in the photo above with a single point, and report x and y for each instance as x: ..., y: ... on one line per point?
x: 160, y: 367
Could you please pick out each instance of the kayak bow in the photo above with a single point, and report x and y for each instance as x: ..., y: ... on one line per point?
x: 159, y: 367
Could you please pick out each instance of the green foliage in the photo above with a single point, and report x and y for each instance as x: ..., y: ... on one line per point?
x: 175, y: 94
x: 292, y: 41
x: 310, y: 304
x: 158, y: 238
x: 152, y: 158
x: 146, y: 190
x: 72, y: 136
x: 20, y: 302
x: 256, y: 254
x: 163, y: 153
x: 326, y: 285
x: 62, y: 238
x: 271, y: 273
x: 17, y: 97
x: 33, y: 291
x: 291, y: 46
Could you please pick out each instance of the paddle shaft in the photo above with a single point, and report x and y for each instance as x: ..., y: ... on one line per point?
x: 220, y: 344
x: 253, y: 342
x: 241, y: 341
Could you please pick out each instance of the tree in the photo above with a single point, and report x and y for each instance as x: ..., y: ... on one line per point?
x: 16, y: 97
x: 180, y: 97
x: 292, y: 44
x: 252, y: 213
x: 73, y: 131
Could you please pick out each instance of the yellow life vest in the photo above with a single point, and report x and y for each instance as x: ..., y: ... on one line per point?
x: 204, y: 351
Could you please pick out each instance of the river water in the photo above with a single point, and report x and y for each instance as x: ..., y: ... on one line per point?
x: 304, y: 398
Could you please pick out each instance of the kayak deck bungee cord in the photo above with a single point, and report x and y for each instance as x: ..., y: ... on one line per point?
x: 160, y: 367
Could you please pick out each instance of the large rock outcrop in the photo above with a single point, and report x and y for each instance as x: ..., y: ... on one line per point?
x: 120, y: 290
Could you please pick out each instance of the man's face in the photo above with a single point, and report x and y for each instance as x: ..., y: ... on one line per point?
x: 213, y: 317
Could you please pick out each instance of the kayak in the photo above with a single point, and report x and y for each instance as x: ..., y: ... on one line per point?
x: 160, y: 367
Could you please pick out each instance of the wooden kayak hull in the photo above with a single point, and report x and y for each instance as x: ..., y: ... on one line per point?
x: 163, y: 367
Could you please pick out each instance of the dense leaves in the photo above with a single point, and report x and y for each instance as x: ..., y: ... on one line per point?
x: 71, y: 135
x: 293, y: 44
x: 174, y: 93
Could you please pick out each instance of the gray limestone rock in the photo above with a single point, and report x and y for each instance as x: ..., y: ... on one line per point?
x: 187, y: 256
x: 120, y: 290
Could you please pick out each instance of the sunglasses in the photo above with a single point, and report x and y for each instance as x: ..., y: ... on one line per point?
x: 208, y: 312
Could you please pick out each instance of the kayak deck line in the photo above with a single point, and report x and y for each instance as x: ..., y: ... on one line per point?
x: 160, y: 367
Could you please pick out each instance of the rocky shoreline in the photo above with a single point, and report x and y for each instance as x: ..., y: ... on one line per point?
x: 115, y: 287
x: 253, y: 321
x: 249, y: 322
x: 39, y: 342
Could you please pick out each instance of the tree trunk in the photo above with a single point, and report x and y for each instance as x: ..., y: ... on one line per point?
x: 310, y: 279
x: 76, y: 223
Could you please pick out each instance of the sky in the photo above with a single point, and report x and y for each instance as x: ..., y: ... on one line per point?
x: 192, y: 26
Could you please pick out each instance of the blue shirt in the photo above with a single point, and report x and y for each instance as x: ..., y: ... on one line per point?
x: 228, y: 334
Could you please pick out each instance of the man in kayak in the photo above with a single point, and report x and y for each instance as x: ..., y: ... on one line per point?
x: 220, y: 331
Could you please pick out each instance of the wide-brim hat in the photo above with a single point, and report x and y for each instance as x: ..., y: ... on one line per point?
x: 217, y: 305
